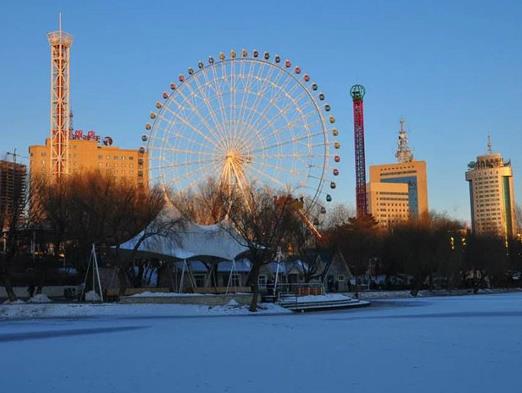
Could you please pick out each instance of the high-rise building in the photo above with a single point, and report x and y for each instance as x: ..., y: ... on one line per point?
x: 412, y: 174
x: 388, y: 203
x: 398, y: 191
x: 13, y: 186
x: 492, y: 194
x: 89, y: 155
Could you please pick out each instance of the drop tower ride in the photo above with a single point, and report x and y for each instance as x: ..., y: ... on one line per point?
x: 357, y: 92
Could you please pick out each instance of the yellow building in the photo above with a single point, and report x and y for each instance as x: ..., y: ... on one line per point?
x: 87, y: 155
x: 388, y: 203
x: 413, y: 175
x: 398, y: 191
x: 491, y: 195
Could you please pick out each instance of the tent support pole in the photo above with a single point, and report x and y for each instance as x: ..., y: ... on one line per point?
x: 180, y: 288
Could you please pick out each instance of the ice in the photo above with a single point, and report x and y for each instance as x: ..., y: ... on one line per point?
x: 428, y: 345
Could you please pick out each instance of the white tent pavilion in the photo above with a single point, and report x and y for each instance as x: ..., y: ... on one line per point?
x: 191, y: 242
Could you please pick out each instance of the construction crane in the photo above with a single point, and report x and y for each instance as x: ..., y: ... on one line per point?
x: 357, y: 92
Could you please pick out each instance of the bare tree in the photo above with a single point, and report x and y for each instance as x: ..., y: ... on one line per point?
x: 422, y: 247
x: 518, y: 214
x: 13, y: 221
x: 359, y: 242
x: 486, y: 260
x: 162, y: 225
x: 259, y: 219
x: 306, y: 244
x: 207, y: 204
x: 100, y: 209
x: 337, y: 216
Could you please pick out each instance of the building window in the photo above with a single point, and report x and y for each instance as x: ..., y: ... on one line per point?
x: 235, y: 281
x: 199, y: 280
x: 261, y: 281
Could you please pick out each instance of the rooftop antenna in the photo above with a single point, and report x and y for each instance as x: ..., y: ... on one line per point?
x: 403, y: 153
x: 490, y: 150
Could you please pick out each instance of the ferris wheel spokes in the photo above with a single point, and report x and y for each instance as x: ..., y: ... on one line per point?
x: 243, y: 119
x: 218, y: 126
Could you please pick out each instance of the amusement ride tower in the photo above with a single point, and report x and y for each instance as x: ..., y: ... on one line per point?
x: 60, y: 44
x: 357, y: 93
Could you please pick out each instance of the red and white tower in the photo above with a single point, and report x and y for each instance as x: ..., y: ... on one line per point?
x: 60, y: 43
x: 357, y: 92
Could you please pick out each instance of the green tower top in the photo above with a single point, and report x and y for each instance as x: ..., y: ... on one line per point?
x: 357, y: 92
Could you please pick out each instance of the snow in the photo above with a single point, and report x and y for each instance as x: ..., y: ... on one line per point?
x: 317, y: 298
x: 427, y: 293
x: 17, y: 301
x: 92, y: 296
x: 428, y: 345
x: 89, y: 310
x: 191, y: 241
x: 40, y: 298
x: 232, y: 303
x: 165, y: 294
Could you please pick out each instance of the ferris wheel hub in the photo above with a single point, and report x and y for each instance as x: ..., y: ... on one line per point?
x: 233, y: 172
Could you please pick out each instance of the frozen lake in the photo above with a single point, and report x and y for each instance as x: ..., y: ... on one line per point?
x: 446, y: 344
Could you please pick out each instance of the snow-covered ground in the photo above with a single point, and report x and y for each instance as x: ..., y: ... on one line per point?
x: 18, y: 310
x: 317, y: 298
x: 445, y: 344
x: 168, y: 294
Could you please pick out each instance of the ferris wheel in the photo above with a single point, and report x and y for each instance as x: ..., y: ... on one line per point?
x: 245, y: 118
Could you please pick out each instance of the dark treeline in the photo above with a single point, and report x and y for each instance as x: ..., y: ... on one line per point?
x: 58, y: 224
x: 427, y: 253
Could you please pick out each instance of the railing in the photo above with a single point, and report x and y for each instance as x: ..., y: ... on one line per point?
x: 294, y: 290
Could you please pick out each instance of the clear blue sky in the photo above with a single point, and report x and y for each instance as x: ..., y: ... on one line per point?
x: 453, y: 69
